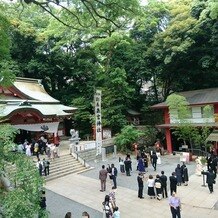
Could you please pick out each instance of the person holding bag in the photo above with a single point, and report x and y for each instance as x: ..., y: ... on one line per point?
x: 158, y: 186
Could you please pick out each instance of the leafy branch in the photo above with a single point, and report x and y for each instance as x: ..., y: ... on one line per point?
x: 89, y: 6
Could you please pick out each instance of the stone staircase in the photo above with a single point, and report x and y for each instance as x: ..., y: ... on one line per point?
x: 63, y: 166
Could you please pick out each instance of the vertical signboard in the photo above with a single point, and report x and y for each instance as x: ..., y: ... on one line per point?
x: 98, y: 125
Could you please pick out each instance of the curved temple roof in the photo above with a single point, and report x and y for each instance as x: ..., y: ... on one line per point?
x: 29, y: 94
x: 33, y: 89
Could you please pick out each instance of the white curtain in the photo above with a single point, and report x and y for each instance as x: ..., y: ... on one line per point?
x: 38, y: 127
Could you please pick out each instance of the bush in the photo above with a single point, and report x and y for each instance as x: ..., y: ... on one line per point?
x: 124, y: 140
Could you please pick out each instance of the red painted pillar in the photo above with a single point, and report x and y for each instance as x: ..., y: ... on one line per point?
x: 169, y: 141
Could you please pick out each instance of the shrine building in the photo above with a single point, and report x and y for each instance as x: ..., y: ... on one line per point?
x: 197, y: 99
x: 28, y: 107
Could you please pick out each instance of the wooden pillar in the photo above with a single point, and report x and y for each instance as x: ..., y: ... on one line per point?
x: 169, y: 141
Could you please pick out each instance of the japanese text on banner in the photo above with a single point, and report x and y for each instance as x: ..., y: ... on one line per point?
x: 98, y: 123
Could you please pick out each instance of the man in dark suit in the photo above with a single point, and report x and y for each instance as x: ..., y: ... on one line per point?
x: 163, y: 180
x: 103, y: 177
x: 140, y: 185
x: 114, y: 175
x: 154, y: 160
x: 214, y: 165
x: 173, y: 183
x: 127, y: 164
x: 210, y: 179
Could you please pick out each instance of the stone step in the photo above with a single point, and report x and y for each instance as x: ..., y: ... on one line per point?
x: 64, y: 166
x: 63, y: 158
x: 57, y: 162
x: 66, y: 170
x: 64, y: 163
x: 59, y: 174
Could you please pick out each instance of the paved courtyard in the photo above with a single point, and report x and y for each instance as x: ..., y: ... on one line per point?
x: 80, y: 192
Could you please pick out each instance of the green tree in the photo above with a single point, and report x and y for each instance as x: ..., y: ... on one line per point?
x: 112, y: 80
x: 21, y: 183
x: 125, y: 139
x: 6, y: 64
x: 84, y: 115
x: 180, y: 115
x: 204, y: 131
x: 85, y: 14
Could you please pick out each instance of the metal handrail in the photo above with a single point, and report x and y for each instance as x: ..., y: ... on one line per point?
x: 199, y: 152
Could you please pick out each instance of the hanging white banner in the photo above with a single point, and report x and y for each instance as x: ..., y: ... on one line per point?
x: 38, y: 127
x: 98, y: 124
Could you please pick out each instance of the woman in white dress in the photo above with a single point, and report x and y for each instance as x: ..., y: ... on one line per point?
x: 28, y: 150
x: 52, y: 151
x: 199, y: 168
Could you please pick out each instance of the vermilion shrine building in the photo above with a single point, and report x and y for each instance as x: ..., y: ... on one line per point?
x: 197, y: 100
x: 28, y: 107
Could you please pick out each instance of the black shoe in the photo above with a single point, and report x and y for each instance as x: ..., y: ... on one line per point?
x: 141, y: 197
x: 101, y: 190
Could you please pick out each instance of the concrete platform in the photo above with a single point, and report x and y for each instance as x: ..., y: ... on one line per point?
x: 84, y: 189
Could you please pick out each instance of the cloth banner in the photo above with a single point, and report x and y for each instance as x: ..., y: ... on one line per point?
x: 39, y: 127
x: 98, y: 124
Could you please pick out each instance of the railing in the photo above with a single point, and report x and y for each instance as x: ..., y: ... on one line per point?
x: 195, y: 151
x: 199, y: 152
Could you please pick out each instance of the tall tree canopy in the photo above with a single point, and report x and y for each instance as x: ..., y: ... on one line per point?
x: 77, y: 46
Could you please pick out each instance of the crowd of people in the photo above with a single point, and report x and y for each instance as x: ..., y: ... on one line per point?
x: 157, y: 185
x: 39, y: 147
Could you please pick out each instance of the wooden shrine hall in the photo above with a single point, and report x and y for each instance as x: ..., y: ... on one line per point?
x: 28, y: 107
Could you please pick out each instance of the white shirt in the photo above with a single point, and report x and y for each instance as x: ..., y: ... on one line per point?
x: 112, y: 171
x: 150, y: 182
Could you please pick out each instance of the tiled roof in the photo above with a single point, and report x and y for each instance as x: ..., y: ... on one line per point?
x: 196, y: 97
x: 34, y: 98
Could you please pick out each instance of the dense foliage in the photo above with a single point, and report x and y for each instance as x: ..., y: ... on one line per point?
x: 20, y: 183
x: 117, y: 46
x: 191, y: 135
x: 125, y: 139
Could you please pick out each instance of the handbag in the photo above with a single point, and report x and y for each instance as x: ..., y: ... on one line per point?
x: 157, y: 185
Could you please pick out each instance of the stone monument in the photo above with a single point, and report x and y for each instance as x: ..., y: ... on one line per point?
x: 74, y: 141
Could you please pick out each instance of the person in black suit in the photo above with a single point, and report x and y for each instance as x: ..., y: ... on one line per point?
x: 210, y: 179
x: 154, y: 160
x: 214, y: 165
x: 163, y: 180
x: 140, y: 185
x: 173, y: 183
x: 114, y: 175
x: 128, y: 164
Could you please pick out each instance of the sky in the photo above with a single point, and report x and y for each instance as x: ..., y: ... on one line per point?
x: 144, y: 2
